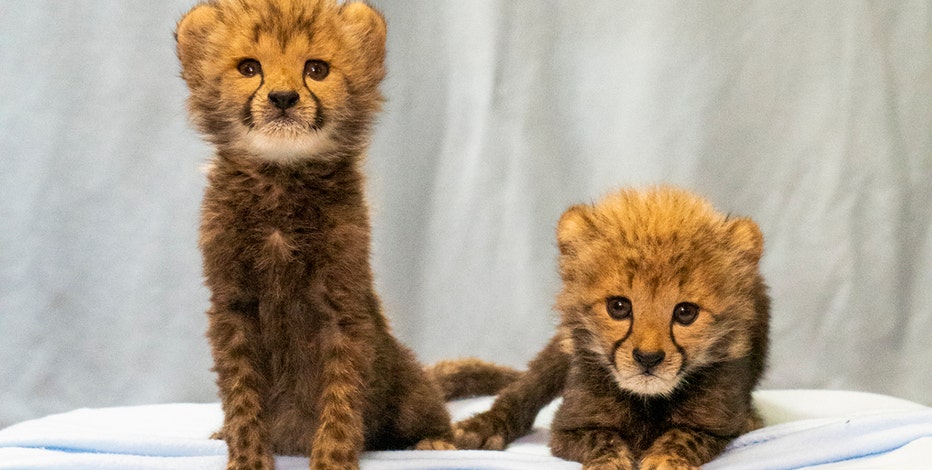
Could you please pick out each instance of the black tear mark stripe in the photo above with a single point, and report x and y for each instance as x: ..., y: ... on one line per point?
x: 623, y: 338
x: 679, y: 348
x: 248, y: 119
x: 319, y: 119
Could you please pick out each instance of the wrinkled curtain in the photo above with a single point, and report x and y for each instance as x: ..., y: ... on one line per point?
x: 813, y: 118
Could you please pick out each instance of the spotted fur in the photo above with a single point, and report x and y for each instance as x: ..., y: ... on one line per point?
x: 664, y: 335
x: 287, y: 90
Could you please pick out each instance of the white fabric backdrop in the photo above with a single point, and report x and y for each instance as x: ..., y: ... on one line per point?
x: 814, y: 118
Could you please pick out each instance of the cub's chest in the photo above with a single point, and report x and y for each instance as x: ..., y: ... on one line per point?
x: 264, y: 228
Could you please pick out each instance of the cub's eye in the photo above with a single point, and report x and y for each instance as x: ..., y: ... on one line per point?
x: 249, y: 67
x: 316, y: 70
x: 618, y: 308
x: 685, y: 313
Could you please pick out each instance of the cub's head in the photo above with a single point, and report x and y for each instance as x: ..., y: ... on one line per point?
x: 283, y: 79
x: 658, y: 285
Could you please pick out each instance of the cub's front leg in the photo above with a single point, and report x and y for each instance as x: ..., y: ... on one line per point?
x: 596, y: 448
x: 513, y: 413
x: 682, y: 449
x: 241, y: 387
x: 339, y: 438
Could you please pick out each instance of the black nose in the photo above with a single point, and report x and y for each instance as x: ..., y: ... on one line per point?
x: 283, y: 99
x: 648, y: 360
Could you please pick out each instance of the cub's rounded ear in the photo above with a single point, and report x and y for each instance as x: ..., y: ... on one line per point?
x: 747, y: 237
x: 367, y: 25
x: 191, y: 36
x: 575, y: 226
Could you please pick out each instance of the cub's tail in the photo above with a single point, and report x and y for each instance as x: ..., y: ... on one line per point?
x: 469, y: 377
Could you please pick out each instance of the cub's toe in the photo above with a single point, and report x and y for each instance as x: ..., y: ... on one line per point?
x: 475, y: 434
x: 666, y: 462
x: 610, y: 462
x: 434, y: 444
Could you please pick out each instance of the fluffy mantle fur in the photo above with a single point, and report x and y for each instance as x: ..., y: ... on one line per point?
x: 663, y: 337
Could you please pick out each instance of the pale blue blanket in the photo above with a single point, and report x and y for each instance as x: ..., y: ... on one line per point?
x: 831, y: 430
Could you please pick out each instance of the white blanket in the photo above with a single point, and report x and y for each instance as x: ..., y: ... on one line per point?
x: 806, y: 429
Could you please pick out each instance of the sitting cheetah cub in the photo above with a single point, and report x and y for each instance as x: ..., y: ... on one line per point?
x: 286, y: 90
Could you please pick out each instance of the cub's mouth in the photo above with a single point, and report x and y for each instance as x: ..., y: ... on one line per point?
x: 646, y: 383
x: 648, y: 379
x: 284, y: 115
x: 286, y: 136
x: 281, y: 124
x: 285, y: 126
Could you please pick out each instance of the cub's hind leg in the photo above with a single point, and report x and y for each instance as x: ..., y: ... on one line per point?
x: 423, y: 415
x: 241, y: 387
x: 425, y: 419
x: 419, y: 419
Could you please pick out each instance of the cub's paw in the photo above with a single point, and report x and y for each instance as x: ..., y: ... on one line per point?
x: 610, y: 462
x: 334, y: 456
x: 666, y: 462
x: 243, y: 462
x: 434, y: 444
x: 482, y: 431
x: 333, y: 465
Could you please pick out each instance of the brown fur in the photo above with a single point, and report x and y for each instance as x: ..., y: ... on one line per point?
x: 305, y: 361
x: 462, y: 378
x: 660, y: 249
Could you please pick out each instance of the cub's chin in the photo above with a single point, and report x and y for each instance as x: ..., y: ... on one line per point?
x: 646, y: 384
x: 286, y: 144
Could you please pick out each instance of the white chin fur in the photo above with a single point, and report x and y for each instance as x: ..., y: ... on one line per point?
x: 290, y: 148
x: 647, y: 385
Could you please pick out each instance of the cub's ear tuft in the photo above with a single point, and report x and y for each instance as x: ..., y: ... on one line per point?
x: 575, y: 227
x: 191, y: 36
x: 746, y: 237
x: 367, y: 26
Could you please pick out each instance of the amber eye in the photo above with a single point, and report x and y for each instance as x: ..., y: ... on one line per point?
x: 618, y: 308
x: 685, y: 313
x: 249, y: 67
x: 316, y: 70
